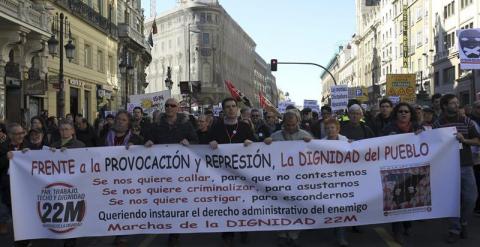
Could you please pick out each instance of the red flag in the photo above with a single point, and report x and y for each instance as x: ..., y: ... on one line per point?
x: 266, y: 104
x: 233, y: 90
x: 236, y: 94
x: 154, y: 27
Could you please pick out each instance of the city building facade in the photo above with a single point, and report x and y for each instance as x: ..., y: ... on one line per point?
x: 447, y: 18
x: 134, y: 52
x: 200, y: 42
x: 24, y: 30
x: 90, y: 78
x: 415, y: 37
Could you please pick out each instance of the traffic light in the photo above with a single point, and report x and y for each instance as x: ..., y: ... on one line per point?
x: 273, y: 65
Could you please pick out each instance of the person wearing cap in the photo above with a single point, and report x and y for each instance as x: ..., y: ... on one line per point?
x: 428, y: 114
x: 354, y: 129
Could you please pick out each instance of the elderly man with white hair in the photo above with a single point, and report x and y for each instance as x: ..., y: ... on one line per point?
x: 355, y: 129
x: 291, y: 132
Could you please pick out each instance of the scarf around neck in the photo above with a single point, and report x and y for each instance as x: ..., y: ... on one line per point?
x: 111, y: 138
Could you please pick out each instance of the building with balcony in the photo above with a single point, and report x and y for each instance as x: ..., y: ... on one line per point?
x: 134, y: 52
x: 199, y: 41
x: 90, y: 78
x: 447, y: 17
x: 24, y: 31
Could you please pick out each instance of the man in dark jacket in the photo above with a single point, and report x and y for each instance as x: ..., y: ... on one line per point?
x: 384, y: 117
x: 318, y: 128
x: 85, y: 133
x: 173, y: 127
x: 261, y: 130
x: 67, y: 137
x: 354, y: 129
x: 230, y: 130
x: 15, y: 141
x: 141, y: 121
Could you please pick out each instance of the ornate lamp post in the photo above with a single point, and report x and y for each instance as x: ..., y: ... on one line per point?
x: 126, y: 69
x: 59, y: 28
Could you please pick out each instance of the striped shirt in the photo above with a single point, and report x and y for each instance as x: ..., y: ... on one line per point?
x: 466, y: 127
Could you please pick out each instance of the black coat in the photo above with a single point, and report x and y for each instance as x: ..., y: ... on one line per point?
x: 6, y: 147
x: 87, y: 136
x: 73, y: 143
x: 164, y: 133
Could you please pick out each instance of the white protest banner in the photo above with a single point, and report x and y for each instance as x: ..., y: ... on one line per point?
x: 216, y: 110
x: 469, y: 48
x: 312, y: 104
x: 339, y: 97
x: 149, y: 102
x: 282, y: 186
x: 282, y: 105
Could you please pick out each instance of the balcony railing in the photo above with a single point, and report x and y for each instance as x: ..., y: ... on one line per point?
x: 124, y: 30
x: 88, y: 14
x: 27, y: 12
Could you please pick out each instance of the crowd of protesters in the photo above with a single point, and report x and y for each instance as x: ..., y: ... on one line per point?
x: 246, y: 125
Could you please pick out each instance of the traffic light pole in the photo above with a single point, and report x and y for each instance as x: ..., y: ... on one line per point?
x: 318, y: 65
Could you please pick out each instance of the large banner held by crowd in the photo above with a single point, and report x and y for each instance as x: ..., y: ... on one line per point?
x: 282, y: 186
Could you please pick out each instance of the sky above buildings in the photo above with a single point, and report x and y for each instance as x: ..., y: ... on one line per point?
x: 291, y: 31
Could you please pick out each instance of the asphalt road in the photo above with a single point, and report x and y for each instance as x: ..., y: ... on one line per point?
x: 423, y: 233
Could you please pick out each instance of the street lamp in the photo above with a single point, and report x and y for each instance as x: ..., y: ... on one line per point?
x: 59, y: 27
x: 127, y: 69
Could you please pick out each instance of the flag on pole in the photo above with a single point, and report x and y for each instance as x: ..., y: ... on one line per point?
x: 266, y: 104
x: 236, y: 94
x: 154, y: 26
x: 150, y: 39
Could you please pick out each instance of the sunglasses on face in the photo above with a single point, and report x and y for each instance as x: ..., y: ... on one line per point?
x: 402, y: 111
x: 170, y: 105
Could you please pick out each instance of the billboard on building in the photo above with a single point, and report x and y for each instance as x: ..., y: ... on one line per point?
x: 469, y: 48
x: 402, y: 85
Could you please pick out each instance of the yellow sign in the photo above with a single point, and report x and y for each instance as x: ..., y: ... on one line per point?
x: 405, y: 36
x: 402, y: 85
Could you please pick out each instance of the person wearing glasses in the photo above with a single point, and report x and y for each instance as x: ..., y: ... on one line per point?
x: 404, y: 120
x: 173, y: 127
x: 15, y: 141
x: 261, y: 130
x: 272, y: 122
